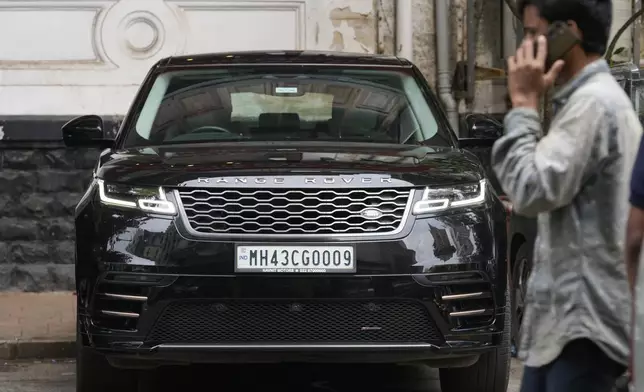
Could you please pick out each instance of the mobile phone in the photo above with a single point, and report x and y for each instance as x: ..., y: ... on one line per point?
x: 560, y: 40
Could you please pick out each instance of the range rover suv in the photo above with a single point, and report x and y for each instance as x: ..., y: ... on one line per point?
x: 288, y: 207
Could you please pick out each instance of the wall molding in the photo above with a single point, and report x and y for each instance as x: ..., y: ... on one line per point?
x: 297, y: 6
x: 90, y: 56
x: 94, y: 8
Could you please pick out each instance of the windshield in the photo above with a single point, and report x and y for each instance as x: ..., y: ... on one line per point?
x: 293, y: 104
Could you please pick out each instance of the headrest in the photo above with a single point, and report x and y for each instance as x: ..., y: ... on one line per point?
x: 290, y: 120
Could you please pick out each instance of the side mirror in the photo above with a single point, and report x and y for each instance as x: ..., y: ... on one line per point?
x: 480, y: 130
x: 85, y: 131
x: 481, y: 126
x: 484, y: 127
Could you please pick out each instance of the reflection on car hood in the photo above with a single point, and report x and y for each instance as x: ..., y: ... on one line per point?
x: 185, y: 164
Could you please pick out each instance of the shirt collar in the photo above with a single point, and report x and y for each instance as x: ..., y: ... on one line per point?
x: 564, y: 92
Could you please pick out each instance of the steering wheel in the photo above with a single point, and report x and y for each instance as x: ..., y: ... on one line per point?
x: 209, y: 128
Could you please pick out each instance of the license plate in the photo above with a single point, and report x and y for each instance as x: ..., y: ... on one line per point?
x: 295, y: 259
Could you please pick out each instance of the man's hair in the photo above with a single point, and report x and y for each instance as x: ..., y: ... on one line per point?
x: 593, y: 17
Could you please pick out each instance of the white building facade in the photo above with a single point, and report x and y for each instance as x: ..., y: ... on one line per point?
x: 70, y: 57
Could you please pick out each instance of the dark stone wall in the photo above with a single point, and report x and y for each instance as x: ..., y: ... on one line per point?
x: 39, y: 189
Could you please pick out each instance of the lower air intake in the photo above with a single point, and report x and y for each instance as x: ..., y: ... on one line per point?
x: 306, y: 321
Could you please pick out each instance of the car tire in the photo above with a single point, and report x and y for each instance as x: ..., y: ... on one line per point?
x: 491, y: 373
x: 520, y: 273
x: 95, y: 374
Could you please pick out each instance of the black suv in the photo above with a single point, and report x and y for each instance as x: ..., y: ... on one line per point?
x: 288, y: 207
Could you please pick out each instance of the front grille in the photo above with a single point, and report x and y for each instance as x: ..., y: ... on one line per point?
x: 290, y: 321
x: 291, y: 211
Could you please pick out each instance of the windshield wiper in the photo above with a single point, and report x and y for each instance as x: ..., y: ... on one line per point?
x: 204, y: 141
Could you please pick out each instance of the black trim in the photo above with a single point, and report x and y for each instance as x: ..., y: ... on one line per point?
x: 473, y: 142
x: 285, y: 57
x: 20, y: 129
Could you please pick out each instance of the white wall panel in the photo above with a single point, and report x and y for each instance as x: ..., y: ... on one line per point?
x: 63, y: 35
x: 69, y: 57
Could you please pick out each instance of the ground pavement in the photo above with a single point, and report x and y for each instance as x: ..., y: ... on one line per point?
x: 59, y: 376
x: 37, y: 325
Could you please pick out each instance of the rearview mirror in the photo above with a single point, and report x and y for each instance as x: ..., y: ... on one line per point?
x: 85, y: 131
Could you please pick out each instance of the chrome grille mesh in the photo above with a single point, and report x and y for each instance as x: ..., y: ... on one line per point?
x: 293, y: 211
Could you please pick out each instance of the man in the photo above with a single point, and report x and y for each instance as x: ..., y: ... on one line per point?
x: 574, y: 179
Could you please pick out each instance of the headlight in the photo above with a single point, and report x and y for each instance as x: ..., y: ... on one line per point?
x: 440, y: 199
x: 145, y: 199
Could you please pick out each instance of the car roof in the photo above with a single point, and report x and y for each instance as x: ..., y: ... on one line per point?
x: 285, y: 57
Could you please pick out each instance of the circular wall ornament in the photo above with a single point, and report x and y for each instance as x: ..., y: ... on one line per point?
x: 142, y: 34
x: 132, y: 35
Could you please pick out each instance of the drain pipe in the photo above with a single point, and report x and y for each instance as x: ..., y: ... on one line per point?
x: 508, y: 31
x: 471, y: 52
x: 443, y: 56
x: 405, y: 29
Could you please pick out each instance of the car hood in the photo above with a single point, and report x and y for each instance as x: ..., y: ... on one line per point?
x: 210, y: 165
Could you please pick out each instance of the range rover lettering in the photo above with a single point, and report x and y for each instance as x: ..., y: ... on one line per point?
x: 288, y: 207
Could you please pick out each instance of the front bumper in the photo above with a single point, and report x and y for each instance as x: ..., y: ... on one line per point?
x: 186, y: 319
x: 149, y: 294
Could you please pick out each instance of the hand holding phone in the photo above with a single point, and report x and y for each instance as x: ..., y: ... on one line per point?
x: 528, y: 77
x: 560, y: 40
